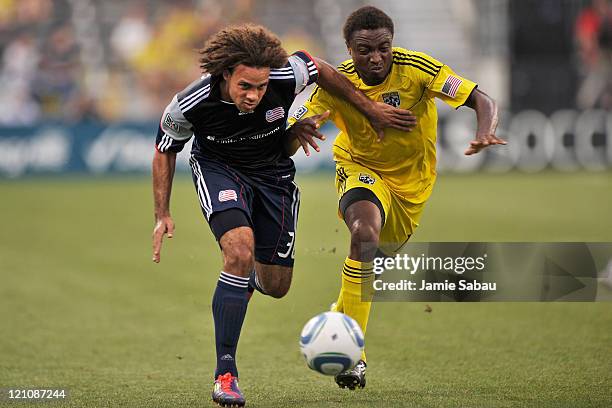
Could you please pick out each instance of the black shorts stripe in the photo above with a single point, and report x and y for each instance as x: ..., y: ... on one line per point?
x: 342, y: 174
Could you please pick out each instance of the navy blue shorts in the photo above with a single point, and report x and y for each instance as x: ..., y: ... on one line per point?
x: 269, y: 198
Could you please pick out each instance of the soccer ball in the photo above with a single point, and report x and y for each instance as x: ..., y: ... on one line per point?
x: 331, y: 343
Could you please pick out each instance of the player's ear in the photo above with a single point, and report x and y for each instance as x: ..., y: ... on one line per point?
x: 226, y: 74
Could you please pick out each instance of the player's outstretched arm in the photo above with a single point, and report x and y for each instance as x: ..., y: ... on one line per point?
x: 381, y: 115
x: 304, y: 132
x: 163, y: 173
x: 486, y: 115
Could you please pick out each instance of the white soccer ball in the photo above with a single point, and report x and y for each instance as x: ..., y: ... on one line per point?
x: 331, y: 343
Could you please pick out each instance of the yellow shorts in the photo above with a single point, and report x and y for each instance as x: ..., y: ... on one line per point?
x: 401, y: 216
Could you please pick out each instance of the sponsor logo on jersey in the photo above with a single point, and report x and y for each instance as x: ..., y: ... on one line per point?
x: 275, y: 114
x: 366, y: 178
x: 168, y: 121
x: 240, y: 113
x: 451, y: 85
x: 299, y: 112
x: 227, y: 195
x: 392, y: 98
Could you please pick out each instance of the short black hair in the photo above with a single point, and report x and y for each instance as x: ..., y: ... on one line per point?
x: 366, y: 18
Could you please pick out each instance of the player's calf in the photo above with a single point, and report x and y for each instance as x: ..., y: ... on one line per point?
x: 272, y: 280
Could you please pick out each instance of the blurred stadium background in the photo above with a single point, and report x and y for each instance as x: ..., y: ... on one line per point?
x: 83, y: 83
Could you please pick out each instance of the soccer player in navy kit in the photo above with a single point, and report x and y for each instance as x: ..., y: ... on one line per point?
x: 241, y: 171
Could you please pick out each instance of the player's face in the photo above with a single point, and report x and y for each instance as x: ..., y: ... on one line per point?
x: 372, y: 54
x: 245, y: 86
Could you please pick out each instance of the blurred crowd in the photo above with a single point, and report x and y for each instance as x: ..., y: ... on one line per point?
x: 108, y: 60
x: 118, y: 60
x: 593, y: 33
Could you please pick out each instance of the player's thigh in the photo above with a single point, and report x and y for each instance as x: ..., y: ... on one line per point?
x: 356, y: 183
x: 402, y: 221
x: 220, y: 188
x: 276, y: 204
x: 275, y: 214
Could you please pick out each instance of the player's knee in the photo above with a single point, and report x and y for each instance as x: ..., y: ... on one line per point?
x: 363, y: 232
x: 239, y: 259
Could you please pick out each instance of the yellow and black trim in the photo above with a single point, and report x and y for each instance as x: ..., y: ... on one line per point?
x: 347, y: 68
x: 417, y: 61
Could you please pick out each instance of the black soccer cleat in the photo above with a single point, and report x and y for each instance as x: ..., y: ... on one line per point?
x: 226, y: 392
x: 353, y: 378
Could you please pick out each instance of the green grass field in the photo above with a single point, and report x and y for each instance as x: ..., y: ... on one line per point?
x: 83, y: 307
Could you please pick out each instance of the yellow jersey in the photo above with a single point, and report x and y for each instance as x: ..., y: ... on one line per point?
x: 405, y: 161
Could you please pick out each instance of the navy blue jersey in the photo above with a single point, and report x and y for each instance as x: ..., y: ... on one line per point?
x: 222, y: 132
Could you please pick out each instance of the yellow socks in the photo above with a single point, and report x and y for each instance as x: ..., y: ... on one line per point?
x: 355, y: 299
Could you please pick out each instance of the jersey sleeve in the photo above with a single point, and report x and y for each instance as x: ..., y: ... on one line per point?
x: 450, y: 87
x: 318, y: 102
x: 305, y: 70
x: 174, y: 129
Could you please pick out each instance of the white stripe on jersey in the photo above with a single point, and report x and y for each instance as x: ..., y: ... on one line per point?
x: 194, y: 95
x: 282, y: 77
x: 165, y: 143
x: 196, y: 101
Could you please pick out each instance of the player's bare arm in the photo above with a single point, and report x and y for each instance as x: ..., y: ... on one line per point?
x: 380, y: 115
x: 304, y: 132
x: 163, y: 173
x: 487, y: 118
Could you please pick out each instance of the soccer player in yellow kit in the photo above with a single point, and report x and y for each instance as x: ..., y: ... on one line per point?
x: 383, y: 184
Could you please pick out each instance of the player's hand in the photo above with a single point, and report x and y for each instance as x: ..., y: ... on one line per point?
x: 307, y: 130
x: 387, y: 116
x: 481, y: 142
x: 163, y: 226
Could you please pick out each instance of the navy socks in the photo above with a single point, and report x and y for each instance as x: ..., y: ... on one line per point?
x: 229, y: 307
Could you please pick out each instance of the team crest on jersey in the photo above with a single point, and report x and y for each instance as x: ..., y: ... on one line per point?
x: 275, y: 114
x: 168, y: 121
x: 391, y: 98
x: 366, y: 178
x: 299, y: 112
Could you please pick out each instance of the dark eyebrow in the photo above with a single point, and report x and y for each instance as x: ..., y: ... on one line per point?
x: 243, y: 82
